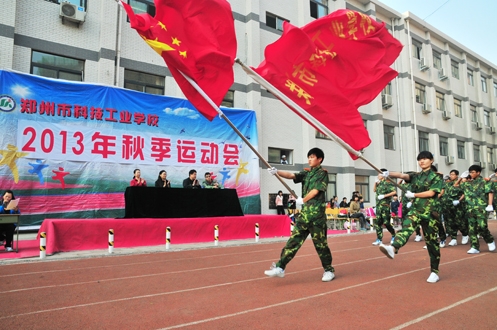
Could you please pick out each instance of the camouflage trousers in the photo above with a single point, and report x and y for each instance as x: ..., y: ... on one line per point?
x: 430, y: 229
x: 478, y: 225
x: 317, y: 230
x: 455, y: 220
x: 383, y: 217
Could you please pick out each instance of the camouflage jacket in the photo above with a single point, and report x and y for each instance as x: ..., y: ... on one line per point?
x: 315, y: 178
x: 382, y: 188
x: 451, y: 193
x: 425, y: 181
x: 475, y: 191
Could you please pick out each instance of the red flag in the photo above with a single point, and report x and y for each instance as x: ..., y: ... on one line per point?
x: 332, y: 66
x: 196, y: 38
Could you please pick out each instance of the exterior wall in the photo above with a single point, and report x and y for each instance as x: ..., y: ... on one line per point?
x: 106, y: 39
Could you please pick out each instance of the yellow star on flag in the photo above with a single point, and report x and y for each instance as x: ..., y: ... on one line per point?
x: 176, y: 41
x: 183, y: 53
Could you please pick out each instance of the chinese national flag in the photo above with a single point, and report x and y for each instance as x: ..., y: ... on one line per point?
x: 332, y: 66
x: 196, y: 37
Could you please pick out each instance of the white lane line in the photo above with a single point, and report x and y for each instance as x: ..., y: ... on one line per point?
x: 424, y: 317
x: 231, y: 283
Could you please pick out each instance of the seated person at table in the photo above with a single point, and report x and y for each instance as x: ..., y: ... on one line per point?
x: 210, y: 183
x: 355, y: 212
x: 191, y: 182
x: 7, y: 229
x: 137, y: 180
x: 162, y: 181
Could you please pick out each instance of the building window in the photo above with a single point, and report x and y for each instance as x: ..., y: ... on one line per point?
x: 417, y: 49
x: 362, y: 186
x: 476, y: 153
x: 55, y: 66
x: 486, y: 118
x: 275, y: 155
x: 420, y: 93
x: 424, y: 141
x: 440, y: 101
x: 144, y: 82
x: 461, y: 152
x: 457, y: 108
x: 471, y: 82
x: 483, y: 84
x: 229, y: 99
x: 387, y: 90
x: 319, y: 8
x: 320, y: 135
x: 389, y: 137
x: 275, y: 22
x: 332, y: 186
x: 490, y: 155
x: 474, y: 114
x: 454, y: 67
x: 142, y: 6
x: 437, y: 60
x: 444, y: 146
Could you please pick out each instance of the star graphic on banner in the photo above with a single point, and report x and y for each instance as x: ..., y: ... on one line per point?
x: 175, y: 41
x: 9, y: 158
x: 183, y: 53
x: 162, y: 25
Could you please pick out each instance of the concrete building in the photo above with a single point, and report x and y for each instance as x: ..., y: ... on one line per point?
x: 443, y: 100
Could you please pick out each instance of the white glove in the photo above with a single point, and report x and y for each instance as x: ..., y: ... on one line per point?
x: 489, y: 208
x: 385, y: 174
x: 409, y: 205
x: 272, y: 170
x: 409, y: 194
x: 464, y: 174
x: 300, y: 201
x: 377, y: 180
x: 455, y: 203
x: 380, y: 197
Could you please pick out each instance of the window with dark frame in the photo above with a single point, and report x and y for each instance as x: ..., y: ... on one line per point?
x: 476, y: 153
x: 331, y: 190
x: 229, y: 99
x: 440, y: 98
x: 56, y: 66
x: 471, y: 81
x: 457, y: 108
x: 461, y: 152
x: 483, y: 84
x: 490, y: 155
x: 274, y: 21
x: 417, y: 49
x: 474, y: 113
x: 437, y: 60
x: 454, y: 67
x: 142, y: 6
x: 389, y: 137
x: 444, y: 146
x: 275, y: 154
x: 320, y: 135
x: 486, y: 118
x: 319, y: 8
x: 144, y: 82
x: 420, y: 93
x: 362, y: 186
x: 424, y: 141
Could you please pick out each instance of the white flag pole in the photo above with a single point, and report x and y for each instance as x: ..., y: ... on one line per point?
x: 223, y: 116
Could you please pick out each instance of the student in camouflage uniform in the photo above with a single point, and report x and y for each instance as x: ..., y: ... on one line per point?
x: 475, y: 190
x: 437, y: 210
x: 384, y: 190
x: 453, y: 209
x: 312, y: 219
x: 425, y: 186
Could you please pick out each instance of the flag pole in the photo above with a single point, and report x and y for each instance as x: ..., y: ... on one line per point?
x: 317, y: 124
x: 230, y: 123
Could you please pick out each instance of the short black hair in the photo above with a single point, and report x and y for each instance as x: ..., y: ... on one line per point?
x: 433, y: 167
x: 316, y: 152
x: 191, y: 172
x: 425, y: 154
x: 476, y: 168
x: 456, y: 172
x: 207, y: 173
x: 383, y: 169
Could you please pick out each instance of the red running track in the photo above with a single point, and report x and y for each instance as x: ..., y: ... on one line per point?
x: 224, y: 288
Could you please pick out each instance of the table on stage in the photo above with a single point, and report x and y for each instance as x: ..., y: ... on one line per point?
x: 11, y: 218
x: 151, y: 202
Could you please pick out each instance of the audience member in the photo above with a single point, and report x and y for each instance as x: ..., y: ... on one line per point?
x: 7, y: 229
x: 344, y: 203
x: 162, y: 181
x: 394, y: 205
x: 279, y: 203
x: 210, y: 183
x: 355, y: 212
x: 283, y: 160
x: 137, y: 180
x: 191, y: 182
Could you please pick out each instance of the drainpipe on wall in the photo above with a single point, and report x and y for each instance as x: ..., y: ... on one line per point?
x: 118, y: 45
x: 401, y: 146
x: 413, y: 93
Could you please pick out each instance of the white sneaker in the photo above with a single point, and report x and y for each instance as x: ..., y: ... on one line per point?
x: 453, y: 242
x: 442, y: 244
x: 377, y: 242
x: 9, y: 249
x: 491, y: 246
x: 465, y: 240
x: 328, y: 276
x: 418, y: 238
x: 473, y: 251
x: 388, y: 250
x: 433, y: 278
x: 275, y: 271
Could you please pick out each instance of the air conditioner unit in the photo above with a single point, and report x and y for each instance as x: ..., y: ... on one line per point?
x: 426, y: 108
x: 449, y: 160
x: 441, y: 74
x: 423, y: 64
x: 386, y: 101
x: 478, y: 126
x: 71, y: 12
x: 491, y: 130
x: 446, y: 115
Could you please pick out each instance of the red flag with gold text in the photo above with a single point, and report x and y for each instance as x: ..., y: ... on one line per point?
x: 196, y: 38
x: 332, y: 66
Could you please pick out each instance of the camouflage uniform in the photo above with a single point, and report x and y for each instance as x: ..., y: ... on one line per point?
x: 312, y: 220
x: 383, y: 214
x: 437, y: 211
x: 454, y: 216
x: 421, y: 213
x: 475, y: 196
